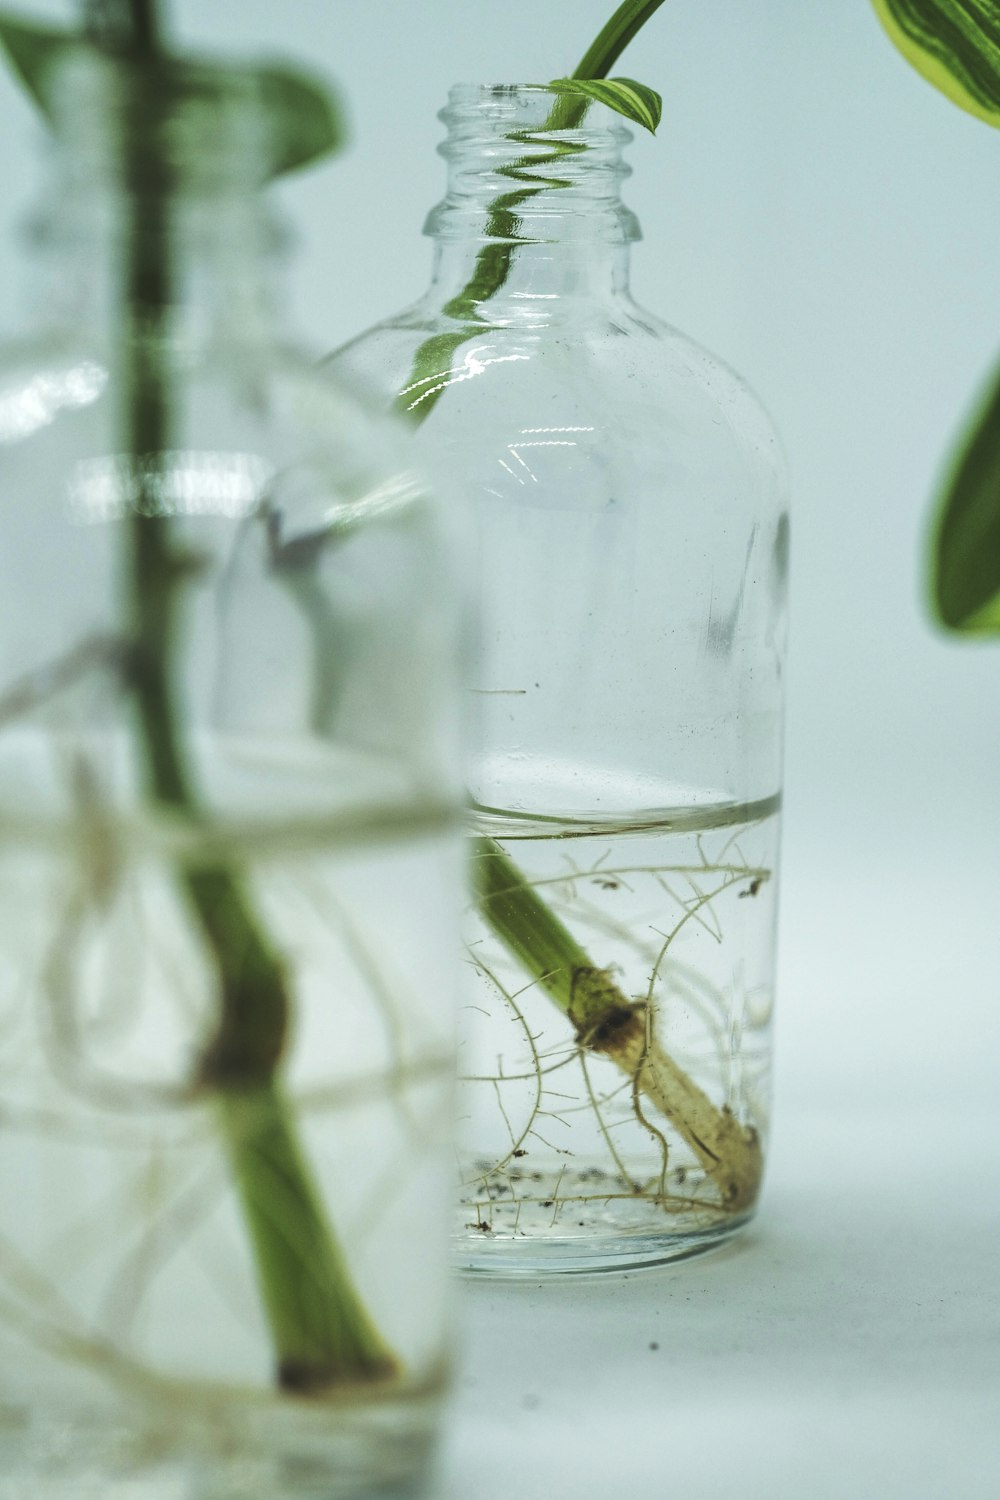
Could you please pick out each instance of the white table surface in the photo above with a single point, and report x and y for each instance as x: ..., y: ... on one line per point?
x: 847, y: 1347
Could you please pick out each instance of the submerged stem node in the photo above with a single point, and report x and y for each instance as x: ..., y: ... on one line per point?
x: 604, y: 1020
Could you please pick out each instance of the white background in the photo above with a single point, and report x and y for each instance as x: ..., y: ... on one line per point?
x: 823, y: 219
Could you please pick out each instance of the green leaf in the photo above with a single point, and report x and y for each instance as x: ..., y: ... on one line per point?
x: 308, y: 123
x: 634, y: 100
x: 33, y: 51
x: 966, y: 550
x: 305, y: 121
x: 953, y: 43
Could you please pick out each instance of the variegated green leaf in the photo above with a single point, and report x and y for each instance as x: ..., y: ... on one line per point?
x: 634, y: 100
x: 305, y: 123
x: 953, y: 43
x: 966, y: 554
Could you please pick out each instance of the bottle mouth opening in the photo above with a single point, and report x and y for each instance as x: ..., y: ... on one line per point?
x: 528, y: 165
x: 502, y: 107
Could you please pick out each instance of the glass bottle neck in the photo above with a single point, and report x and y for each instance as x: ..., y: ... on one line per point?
x: 532, y: 222
x: 156, y: 212
x: 542, y: 283
x: 216, y: 257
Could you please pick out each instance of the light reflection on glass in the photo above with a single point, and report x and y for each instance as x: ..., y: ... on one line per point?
x: 473, y: 363
x: 32, y: 406
x: 528, y: 439
x: 173, y: 483
x: 199, y: 483
x: 396, y: 494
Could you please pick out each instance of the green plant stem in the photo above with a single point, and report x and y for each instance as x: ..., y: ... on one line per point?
x: 126, y: 26
x: 608, y: 1023
x: 611, y: 41
x: 144, y: 30
x: 321, y: 1332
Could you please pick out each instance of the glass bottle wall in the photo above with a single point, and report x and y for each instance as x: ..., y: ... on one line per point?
x: 228, y: 661
x: 630, y: 510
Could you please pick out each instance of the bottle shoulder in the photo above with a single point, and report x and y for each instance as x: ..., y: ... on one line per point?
x: 246, y: 427
x: 618, y: 337
x: 619, y: 371
x: 728, y: 393
x: 71, y: 373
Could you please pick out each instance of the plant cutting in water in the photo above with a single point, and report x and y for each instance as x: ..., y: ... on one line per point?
x: 322, y: 1336
x: 606, y: 1021
x: 639, y: 895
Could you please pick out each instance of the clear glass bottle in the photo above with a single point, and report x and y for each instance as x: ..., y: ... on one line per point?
x: 228, y: 761
x: 631, y: 511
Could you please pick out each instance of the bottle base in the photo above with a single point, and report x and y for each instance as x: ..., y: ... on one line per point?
x: 92, y: 1454
x: 516, y: 1260
x: 586, y: 1222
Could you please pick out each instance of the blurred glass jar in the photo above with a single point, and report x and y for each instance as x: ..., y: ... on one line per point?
x: 632, y: 530
x: 230, y: 858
